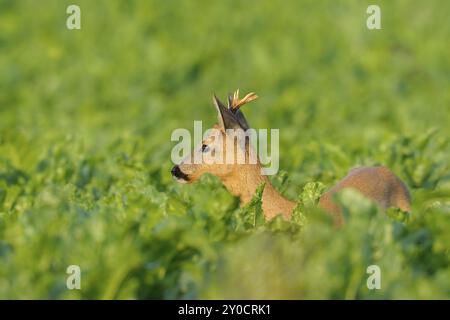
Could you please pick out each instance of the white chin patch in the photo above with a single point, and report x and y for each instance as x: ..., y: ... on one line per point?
x: 180, y: 180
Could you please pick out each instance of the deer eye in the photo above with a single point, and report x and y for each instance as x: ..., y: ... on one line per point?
x: 205, y: 148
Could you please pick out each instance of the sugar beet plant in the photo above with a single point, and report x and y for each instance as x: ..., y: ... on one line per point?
x: 85, y: 123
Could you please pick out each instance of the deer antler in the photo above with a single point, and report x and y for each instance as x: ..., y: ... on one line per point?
x: 234, y: 103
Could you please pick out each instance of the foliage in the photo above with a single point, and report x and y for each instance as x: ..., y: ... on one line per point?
x: 85, y: 124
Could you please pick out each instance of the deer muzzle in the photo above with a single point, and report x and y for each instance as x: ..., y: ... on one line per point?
x: 178, y: 174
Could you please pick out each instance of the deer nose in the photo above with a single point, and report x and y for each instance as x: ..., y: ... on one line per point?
x: 176, y: 172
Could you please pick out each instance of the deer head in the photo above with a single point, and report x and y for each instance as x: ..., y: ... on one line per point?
x: 225, y: 147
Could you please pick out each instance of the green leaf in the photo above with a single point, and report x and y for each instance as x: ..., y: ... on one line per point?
x: 311, y: 193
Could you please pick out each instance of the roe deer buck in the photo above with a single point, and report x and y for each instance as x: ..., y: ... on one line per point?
x: 242, y: 178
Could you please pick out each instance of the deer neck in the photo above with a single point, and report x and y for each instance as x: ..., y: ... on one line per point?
x: 244, y: 182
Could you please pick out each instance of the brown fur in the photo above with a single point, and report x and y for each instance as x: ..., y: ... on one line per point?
x: 377, y: 183
x: 243, y: 183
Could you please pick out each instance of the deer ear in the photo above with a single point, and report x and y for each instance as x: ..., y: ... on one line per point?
x: 241, y: 119
x: 226, y: 117
x: 237, y: 113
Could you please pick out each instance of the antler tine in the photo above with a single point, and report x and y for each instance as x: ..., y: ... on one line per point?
x: 230, y: 101
x: 236, y: 103
x: 236, y: 97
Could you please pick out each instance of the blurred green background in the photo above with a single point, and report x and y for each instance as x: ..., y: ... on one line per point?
x: 85, y: 123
